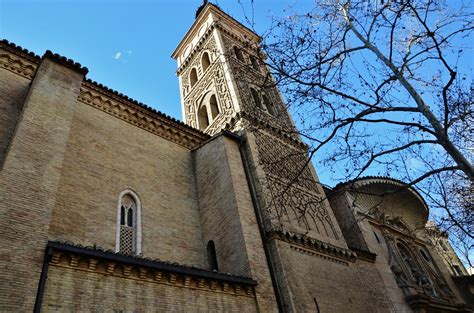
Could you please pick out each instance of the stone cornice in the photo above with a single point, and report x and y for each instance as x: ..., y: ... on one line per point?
x: 364, y: 255
x: 140, y: 115
x: 18, y: 60
x: 313, y: 244
x: 92, y: 259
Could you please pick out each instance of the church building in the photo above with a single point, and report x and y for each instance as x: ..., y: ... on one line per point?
x: 108, y: 205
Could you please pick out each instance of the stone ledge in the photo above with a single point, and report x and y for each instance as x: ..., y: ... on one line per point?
x: 313, y: 244
x: 364, y: 255
x: 92, y: 259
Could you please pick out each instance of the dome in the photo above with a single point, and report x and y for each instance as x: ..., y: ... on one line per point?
x: 389, y: 196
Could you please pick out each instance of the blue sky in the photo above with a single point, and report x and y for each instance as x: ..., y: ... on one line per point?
x: 126, y: 45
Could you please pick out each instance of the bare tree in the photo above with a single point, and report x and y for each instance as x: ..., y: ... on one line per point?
x: 382, y: 88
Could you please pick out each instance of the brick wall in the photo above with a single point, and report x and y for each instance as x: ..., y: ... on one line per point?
x: 29, y: 181
x: 228, y: 216
x: 105, y: 156
x: 329, y: 284
x: 13, y: 91
x: 73, y: 290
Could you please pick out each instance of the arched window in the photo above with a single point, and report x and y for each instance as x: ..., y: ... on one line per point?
x: 255, y: 64
x: 193, y: 77
x: 256, y: 98
x: 238, y: 54
x: 203, y: 117
x: 205, y: 61
x: 269, y: 105
x: 211, y: 256
x: 213, y: 106
x: 128, y: 235
x: 416, y: 271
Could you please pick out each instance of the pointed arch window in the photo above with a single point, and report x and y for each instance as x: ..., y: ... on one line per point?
x: 128, y: 234
x: 203, y: 117
x: 205, y: 61
x: 193, y: 77
x: 238, y: 54
x: 212, y: 256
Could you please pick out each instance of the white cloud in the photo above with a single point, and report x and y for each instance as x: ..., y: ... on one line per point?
x: 117, y: 55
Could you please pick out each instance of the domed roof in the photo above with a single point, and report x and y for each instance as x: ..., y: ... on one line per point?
x: 389, y: 196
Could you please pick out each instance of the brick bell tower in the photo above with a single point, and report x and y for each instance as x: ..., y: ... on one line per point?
x: 225, y: 85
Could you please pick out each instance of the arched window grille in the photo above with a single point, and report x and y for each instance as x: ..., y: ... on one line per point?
x: 128, y: 236
x: 205, y: 61
x: 193, y: 77
x: 213, y: 106
x: 203, y: 117
x: 212, y: 256
x: 238, y: 54
x: 256, y: 98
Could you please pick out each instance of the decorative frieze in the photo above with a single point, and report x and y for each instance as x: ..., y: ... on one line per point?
x: 17, y: 60
x: 313, y: 245
x: 319, y: 255
x: 140, y: 115
x: 98, y: 261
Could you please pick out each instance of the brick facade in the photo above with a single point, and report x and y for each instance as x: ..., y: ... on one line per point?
x: 69, y: 147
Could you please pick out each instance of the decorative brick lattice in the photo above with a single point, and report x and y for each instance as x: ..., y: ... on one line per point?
x: 245, y: 76
x: 280, y: 160
x: 127, y: 239
x: 298, y: 207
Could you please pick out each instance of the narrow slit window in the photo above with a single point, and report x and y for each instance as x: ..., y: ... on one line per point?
x: 193, y: 77
x: 130, y: 218
x: 214, y: 107
x: 205, y: 61
x: 122, y: 215
x: 203, y: 118
x: 212, y: 256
